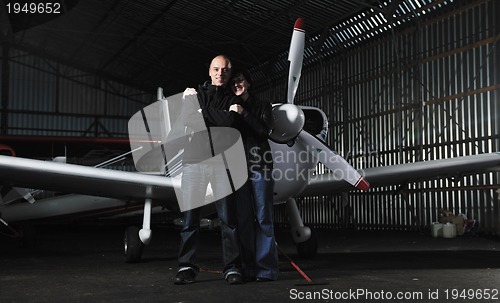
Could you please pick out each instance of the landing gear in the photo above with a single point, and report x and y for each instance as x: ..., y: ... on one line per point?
x: 135, y: 238
x: 309, y: 248
x: 132, y: 245
x: 304, y: 237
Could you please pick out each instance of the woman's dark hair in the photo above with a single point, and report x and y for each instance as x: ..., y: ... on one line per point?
x: 242, y: 72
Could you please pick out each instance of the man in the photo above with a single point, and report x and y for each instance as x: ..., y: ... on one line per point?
x: 214, y: 100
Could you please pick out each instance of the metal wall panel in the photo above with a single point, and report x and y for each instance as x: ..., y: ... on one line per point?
x: 46, y: 98
x: 29, y: 87
x: 426, y: 91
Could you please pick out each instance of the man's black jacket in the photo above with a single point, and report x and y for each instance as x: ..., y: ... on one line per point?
x: 207, y: 142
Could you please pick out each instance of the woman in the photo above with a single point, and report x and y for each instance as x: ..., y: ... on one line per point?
x: 255, y: 200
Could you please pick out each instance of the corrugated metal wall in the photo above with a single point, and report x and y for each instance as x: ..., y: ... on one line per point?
x: 47, y: 98
x: 427, y: 91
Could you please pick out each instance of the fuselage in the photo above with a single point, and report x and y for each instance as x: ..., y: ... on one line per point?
x: 293, y: 165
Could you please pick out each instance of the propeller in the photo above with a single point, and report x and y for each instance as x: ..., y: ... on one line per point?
x: 289, y: 119
x: 296, y: 56
x: 338, y: 165
x: 316, y: 147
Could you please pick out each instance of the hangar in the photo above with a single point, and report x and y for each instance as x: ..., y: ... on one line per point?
x: 401, y: 81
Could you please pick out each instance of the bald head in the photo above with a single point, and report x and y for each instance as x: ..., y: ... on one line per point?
x: 220, y: 70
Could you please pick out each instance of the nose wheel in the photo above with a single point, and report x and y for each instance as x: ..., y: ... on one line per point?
x: 309, y: 248
x: 304, y: 237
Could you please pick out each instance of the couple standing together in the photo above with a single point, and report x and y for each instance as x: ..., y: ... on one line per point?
x: 248, y: 244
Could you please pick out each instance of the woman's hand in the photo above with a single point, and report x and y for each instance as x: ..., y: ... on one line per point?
x: 236, y: 108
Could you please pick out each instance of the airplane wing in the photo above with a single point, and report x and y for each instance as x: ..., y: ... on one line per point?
x: 78, y: 179
x: 326, y: 184
x: 70, y: 178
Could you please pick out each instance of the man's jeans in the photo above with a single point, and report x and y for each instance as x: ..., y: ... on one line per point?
x: 195, y: 179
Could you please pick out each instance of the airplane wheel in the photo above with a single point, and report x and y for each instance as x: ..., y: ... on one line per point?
x: 309, y: 248
x: 132, y: 245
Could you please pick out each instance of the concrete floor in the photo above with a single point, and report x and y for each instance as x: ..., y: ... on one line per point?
x: 73, y: 263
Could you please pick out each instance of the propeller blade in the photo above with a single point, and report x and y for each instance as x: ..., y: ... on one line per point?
x: 333, y: 161
x: 296, y: 56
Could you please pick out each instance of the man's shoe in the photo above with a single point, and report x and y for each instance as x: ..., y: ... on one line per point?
x: 263, y: 279
x: 185, y: 275
x: 234, y: 279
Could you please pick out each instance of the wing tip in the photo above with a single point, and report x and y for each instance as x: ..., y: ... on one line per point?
x: 363, y: 184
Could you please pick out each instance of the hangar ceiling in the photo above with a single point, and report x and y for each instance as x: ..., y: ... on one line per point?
x: 151, y: 43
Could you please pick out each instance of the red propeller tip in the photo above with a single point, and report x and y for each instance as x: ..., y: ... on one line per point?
x: 299, y: 25
x: 362, y: 184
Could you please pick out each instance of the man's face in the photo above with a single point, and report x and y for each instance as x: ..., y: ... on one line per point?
x: 219, y: 71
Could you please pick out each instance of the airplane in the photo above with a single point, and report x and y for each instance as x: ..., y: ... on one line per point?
x: 299, y: 131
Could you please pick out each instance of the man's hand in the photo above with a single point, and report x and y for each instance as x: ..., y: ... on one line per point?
x: 189, y: 92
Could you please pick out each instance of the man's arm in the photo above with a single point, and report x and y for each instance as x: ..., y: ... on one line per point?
x: 221, y: 117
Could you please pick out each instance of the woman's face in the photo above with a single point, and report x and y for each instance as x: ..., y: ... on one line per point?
x: 240, y: 85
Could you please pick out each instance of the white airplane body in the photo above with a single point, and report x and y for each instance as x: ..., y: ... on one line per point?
x: 297, y: 147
